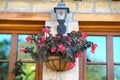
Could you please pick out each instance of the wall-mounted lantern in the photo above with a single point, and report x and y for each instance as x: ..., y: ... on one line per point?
x: 61, y: 12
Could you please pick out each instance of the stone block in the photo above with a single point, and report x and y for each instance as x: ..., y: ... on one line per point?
x: 69, y: 17
x: 2, y: 5
x: 72, y: 25
x: 85, y: 7
x: 115, y: 6
x: 19, y: 5
x: 54, y: 0
x: 53, y: 25
x: 102, y: 7
x: 43, y: 6
x: 72, y: 74
x: 72, y: 5
x: 49, y: 74
x: 96, y: 0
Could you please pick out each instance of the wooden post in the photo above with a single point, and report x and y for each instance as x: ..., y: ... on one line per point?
x: 110, y: 68
x: 13, y: 54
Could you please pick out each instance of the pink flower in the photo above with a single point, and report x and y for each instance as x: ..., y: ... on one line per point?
x: 70, y: 64
x: 22, y: 49
x: 28, y: 38
x: 46, y: 30
x: 53, y: 49
x: 38, y: 41
x: 84, y: 35
x: 41, y: 45
x: 43, y: 38
x: 61, y: 47
x: 68, y: 37
x: 93, y: 47
x: 79, y: 54
x: 55, y: 37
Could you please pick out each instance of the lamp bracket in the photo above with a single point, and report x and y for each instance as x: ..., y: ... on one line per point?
x: 61, y: 28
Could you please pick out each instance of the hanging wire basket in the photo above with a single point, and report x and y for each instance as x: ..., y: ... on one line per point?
x: 56, y: 64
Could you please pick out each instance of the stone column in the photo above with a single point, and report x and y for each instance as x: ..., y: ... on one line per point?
x: 72, y: 74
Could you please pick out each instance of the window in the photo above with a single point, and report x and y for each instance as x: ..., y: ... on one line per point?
x: 116, y: 56
x: 12, y: 38
x: 29, y: 66
x: 5, y: 40
x: 96, y: 63
x: 105, y: 63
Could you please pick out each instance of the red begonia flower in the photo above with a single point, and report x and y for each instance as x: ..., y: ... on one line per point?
x: 28, y: 38
x: 53, y: 49
x: 93, y: 47
x: 84, y: 35
x: 68, y: 37
x: 61, y: 47
x: 38, y: 41
x: 22, y: 49
x: 46, y: 30
x: 43, y: 38
x: 70, y: 64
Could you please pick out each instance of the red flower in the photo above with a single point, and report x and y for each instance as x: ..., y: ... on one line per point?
x: 22, y: 49
x: 62, y: 47
x: 79, y: 54
x: 93, y: 47
x: 68, y: 37
x: 38, y: 41
x: 41, y: 45
x: 84, y: 35
x: 28, y: 39
x: 70, y: 64
x: 46, y: 30
x: 53, y: 49
x: 43, y: 38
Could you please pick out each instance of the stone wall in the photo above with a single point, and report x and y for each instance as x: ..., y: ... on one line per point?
x: 85, y: 6
x: 46, y: 6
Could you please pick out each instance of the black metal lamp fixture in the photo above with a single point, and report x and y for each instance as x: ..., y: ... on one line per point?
x: 61, y: 12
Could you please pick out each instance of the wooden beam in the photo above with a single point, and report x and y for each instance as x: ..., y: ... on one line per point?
x: 24, y: 16
x: 97, y: 17
x: 115, y: 0
x: 4, y: 60
x: 11, y: 26
x: 27, y: 16
x: 96, y: 26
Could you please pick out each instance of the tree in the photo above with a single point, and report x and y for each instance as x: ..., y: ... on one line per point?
x: 4, y: 55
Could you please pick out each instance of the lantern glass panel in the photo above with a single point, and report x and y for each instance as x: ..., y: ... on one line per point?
x: 61, y: 14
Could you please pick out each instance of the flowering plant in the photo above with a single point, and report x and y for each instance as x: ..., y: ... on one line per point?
x: 68, y: 47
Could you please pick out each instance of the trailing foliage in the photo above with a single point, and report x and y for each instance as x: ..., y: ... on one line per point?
x: 18, y: 70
